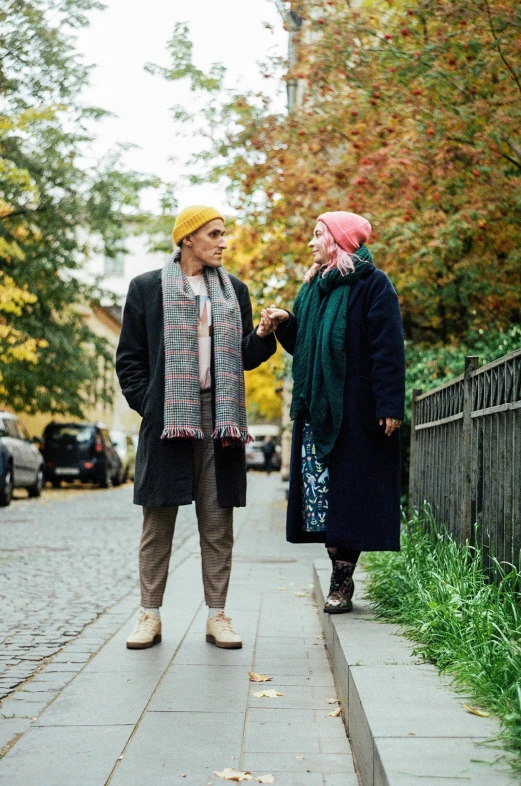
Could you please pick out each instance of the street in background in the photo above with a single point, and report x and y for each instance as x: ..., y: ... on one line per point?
x: 254, y: 452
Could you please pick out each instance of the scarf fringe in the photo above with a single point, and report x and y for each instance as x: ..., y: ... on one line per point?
x: 231, y: 435
x: 174, y: 432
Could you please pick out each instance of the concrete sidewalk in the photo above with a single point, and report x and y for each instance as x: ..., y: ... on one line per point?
x: 179, y: 711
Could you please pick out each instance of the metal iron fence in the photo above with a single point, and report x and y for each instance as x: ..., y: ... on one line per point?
x: 466, y: 455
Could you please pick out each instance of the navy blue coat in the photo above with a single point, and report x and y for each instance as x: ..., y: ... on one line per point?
x: 164, y: 467
x: 364, y: 470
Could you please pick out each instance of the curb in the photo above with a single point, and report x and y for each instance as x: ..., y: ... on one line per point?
x: 406, y: 726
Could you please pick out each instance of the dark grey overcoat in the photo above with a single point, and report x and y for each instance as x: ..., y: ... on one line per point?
x: 164, y: 467
x: 364, y: 470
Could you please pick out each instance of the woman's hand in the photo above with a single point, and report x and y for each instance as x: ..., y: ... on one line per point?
x: 391, y: 424
x: 266, y: 325
x: 276, y: 315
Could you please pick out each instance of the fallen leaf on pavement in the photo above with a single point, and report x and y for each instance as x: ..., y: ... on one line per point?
x: 254, y: 677
x: 282, y: 589
x: 268, y: 694
x: 303, y: 595
x: 332, y: 701
x: 335, y: 713
x: 265, y: 779
x: 300, y: 757
x: 475, y: 711
x: 230, y: 774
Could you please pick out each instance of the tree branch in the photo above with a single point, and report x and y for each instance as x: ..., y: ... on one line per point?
x: 512, y: 160
x: 23, y: 212
x: 499, y: 49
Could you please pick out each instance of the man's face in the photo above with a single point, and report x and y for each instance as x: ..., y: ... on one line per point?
x: 208, y: 243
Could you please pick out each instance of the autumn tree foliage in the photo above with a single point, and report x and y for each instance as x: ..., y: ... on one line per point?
x: 55, y: 208
x: 410, y: 114
x: 15, y: 345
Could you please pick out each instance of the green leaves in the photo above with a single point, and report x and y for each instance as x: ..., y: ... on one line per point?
x: 180, y: 49
x: 54, y: 209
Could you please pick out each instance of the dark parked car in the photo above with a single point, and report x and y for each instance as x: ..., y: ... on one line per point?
x: 21, y: 464
x: 80, y: 451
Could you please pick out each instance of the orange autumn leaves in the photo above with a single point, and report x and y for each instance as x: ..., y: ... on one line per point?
x: 409, y: 114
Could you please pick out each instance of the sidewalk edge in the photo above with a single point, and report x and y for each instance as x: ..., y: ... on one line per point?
x: 377, y: 755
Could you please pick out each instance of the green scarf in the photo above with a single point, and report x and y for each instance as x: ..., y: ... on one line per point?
x: 319, y: 360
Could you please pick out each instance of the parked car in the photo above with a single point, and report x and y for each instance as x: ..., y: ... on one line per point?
x: 254, y: 454
x: 124, y: 445
x: 21, y: 464
x: 6, y: 477
x: 80, y: 451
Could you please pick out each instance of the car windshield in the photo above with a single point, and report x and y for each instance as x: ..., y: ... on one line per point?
x: 70, y: 434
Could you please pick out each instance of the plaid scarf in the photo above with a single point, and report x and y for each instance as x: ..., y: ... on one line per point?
x: 182, y: 411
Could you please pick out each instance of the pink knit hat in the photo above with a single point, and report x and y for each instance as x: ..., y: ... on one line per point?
x: 348, y: 229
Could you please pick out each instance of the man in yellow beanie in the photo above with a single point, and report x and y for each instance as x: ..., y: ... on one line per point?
x: 186, y: 338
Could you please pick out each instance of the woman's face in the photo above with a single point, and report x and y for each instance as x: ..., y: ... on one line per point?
x: 316, y: 245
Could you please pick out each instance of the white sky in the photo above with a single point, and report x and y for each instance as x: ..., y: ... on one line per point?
x: 129, y: 33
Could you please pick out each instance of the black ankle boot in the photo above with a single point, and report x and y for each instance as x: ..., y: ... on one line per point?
x: 339, y: 600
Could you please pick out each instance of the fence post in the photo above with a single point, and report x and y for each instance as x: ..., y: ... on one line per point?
x: 471, y: 364
x: 412, y: 450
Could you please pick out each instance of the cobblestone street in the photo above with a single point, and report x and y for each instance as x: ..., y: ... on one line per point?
x: 64, y: 559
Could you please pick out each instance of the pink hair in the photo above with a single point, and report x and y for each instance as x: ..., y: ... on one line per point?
x: 335, y: 257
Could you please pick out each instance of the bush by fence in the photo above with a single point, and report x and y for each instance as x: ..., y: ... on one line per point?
x: 466, y: 455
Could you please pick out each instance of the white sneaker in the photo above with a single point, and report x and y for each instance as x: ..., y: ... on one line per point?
x: 146, y: 633
x: 220, y: 631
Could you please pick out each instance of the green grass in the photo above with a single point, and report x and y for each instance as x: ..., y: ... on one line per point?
x: 469, y: 627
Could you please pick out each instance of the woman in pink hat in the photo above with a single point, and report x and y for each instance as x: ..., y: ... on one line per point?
x: 345, y: 335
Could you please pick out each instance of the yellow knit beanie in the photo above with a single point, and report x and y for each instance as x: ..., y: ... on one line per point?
x: 191, y: 219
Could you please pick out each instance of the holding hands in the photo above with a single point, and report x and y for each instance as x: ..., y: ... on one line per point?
x: 271, y: 318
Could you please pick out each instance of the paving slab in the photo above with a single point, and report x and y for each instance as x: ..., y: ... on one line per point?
x: 86, y: 756
x: 101, y: 699
x: 210, y: 689
x: 308, y: 762
x: 406, y: 726
x: 447, y: 762
x: 431, y: 709
x: 293, y: 738
x: 170, y: 744
x: 292, y: 666
x: 294, y: 696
